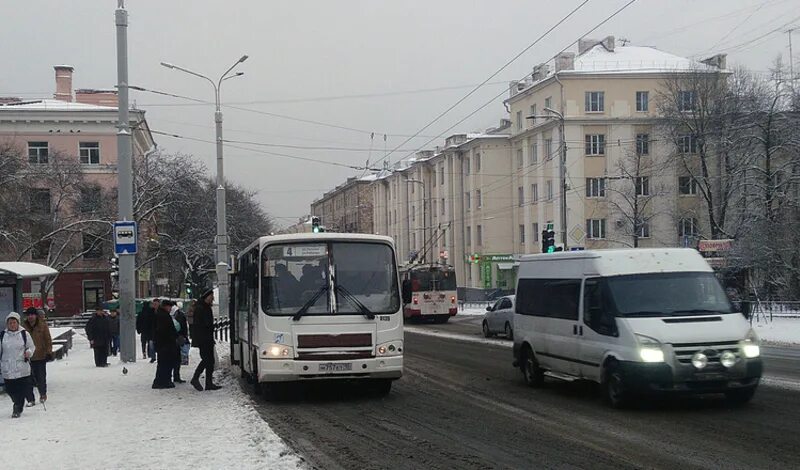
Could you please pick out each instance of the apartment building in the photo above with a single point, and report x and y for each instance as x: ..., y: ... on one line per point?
x: 83, y: 126
x: 348, y: 207
x: 600, y: 108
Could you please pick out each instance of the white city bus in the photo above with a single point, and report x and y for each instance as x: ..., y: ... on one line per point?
x: 433, y: 292
x: 317, y: 306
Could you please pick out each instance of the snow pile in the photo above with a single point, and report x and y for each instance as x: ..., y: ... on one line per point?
x: 100, y: 418
x: 472, y: 311
x: 779, y: 330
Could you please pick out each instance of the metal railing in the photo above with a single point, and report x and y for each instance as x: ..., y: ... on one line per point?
x: 767, y: 311
x: 222, y: 329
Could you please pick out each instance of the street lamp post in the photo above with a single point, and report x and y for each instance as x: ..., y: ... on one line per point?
x: 424, y: 221
x: 222, y: 226
x: 562, y: 170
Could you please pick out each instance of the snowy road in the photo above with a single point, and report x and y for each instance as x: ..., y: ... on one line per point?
x: 462, y: 405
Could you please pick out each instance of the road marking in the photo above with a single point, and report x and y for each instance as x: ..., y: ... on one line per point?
x: 459, y: 337
x: 770, y: 381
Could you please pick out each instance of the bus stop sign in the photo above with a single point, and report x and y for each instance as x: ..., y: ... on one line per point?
x: 125, y: 237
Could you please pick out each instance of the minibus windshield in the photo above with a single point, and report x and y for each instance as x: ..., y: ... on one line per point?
x: 668, y: 294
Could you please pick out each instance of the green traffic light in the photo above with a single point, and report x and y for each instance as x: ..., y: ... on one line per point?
x: 316, y: 229
x: 551, y: 249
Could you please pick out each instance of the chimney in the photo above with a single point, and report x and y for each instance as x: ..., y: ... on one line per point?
x: 609, y: 43
x: 513, y: 88
x: 63, y: 82
x: 540, y: 72
x: 586, y: 44
x: 565, y: 61
x: 719, y: 61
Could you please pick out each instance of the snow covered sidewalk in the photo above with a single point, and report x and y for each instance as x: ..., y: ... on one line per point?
x: 100, y: 418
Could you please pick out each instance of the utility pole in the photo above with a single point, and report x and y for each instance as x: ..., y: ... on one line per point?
x: 127, y: 261
x: 791, y: 58
x: 562, y: 173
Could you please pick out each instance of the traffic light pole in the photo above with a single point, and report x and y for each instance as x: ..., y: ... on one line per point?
x: 127, y: 261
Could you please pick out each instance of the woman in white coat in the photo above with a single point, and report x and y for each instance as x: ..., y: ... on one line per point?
x: 16, y: 349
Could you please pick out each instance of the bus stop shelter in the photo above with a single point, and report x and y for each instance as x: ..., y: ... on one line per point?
x: 12, y: 276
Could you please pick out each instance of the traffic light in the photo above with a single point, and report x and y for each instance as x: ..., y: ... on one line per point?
x: 188, y: 289
x: 549, y: 240
x: 315, y: 225
x: 114, y: 267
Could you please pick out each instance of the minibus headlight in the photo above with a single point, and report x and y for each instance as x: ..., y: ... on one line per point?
x: 750, y: 347
x: 650, y: 349
x: 277, y: 351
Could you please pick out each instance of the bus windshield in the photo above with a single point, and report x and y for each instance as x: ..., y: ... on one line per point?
x: 334, y: 278
x: 660, y: 294
x: 433, y: 280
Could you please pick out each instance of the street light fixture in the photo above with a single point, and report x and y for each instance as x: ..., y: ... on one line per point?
x: 562, y: 168
x: 222, y: 227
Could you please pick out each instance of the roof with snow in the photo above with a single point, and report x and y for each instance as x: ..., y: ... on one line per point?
x: 53, y: 105
x: 25, y: 270
x: 629, y: 59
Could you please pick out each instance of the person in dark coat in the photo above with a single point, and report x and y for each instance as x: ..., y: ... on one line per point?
x: 98, y: 331
x: 165, y: 339
x: 145, y: 323
x: 203, y: 339
x: 113, y: 323
x: 183, y: 336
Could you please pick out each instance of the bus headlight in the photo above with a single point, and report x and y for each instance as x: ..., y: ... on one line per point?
x: 750, y: 347
x: 650, y: 349
x: 393, y: 348
x: 277, y: 351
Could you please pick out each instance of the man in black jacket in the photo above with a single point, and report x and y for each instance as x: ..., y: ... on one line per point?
x: 203, y: 339
x: 145, y: 324
x: 98, y: 331
x: 165, y: 337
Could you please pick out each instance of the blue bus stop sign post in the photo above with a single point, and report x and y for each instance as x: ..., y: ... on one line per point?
x: 125, y: 237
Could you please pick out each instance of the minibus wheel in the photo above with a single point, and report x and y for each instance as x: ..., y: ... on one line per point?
x: 614, y: 387
x: 531, y: 372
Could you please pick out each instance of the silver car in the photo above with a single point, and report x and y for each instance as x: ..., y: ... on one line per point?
x: 499, y: 318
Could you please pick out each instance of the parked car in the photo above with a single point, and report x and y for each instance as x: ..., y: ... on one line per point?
x: 499, y: 318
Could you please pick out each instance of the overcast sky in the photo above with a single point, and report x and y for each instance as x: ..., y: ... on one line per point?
x: 335, y: 49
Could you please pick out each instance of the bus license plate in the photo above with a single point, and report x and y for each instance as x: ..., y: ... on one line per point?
x: 336, y: 367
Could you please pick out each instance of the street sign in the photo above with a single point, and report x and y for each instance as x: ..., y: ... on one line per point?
x: 125, y: 237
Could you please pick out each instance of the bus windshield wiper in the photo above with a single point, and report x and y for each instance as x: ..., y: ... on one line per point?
x: 352, y: 298
x: 310, y: 302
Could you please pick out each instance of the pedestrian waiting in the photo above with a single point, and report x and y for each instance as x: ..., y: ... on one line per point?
x: 36, y: 325
x: 16, y: 350
x: 203, y: 339
x: 165, y: 337
x: 98, y: 331
x: 113, y: 325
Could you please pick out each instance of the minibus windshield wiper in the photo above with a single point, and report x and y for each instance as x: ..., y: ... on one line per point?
x: 352, y: 298
x: 310, y: 302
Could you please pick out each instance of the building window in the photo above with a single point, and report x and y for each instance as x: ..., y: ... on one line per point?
x: 90, y: 199
x: 40, y: 201
x: 548, y: 149
x: 535, y: 234
x: 434, y: 177
x: 477, y: 163
x: 442, y: 206
x: 92, y: 246
x: 466, y: 166
x: 479, y: 235
x: 642, y: 144
x: 441, y: 173
x: 533, y: 115
x: 595, y: 144
x: 469, y: 236
x: 549, y: 188
x: 595, y: 101
x: 90, y: 153
x: 595, y: 228
x: 519, y: 120
x: 687, y: 143
x: 534, y: 153
x: 38, y: 153
x: 521, y: 234
x: 643, y: 230
x: 687, y: 186
x: 434, y: 211
x: 535, y: 192
x: 413, y: 213
x: 520, y: 196
x: 595, y: 187
x: 687, y: 100
x: 642, y: 186
x: 548, y: 102
x: 642, y: 101
x: 687, y: 227
x: 520, y: 160
x: 478, y: 199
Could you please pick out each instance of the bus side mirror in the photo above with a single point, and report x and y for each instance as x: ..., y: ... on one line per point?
x: 406, y: 292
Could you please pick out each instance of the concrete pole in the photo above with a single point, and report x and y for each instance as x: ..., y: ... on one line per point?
x: 125, y: 189
x: 222, y: 223
x: 563, y: 179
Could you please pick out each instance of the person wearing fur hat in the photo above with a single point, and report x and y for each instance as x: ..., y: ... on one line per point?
x: 203, y: 339
x: 36, y: 326
x: 16, y: 350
